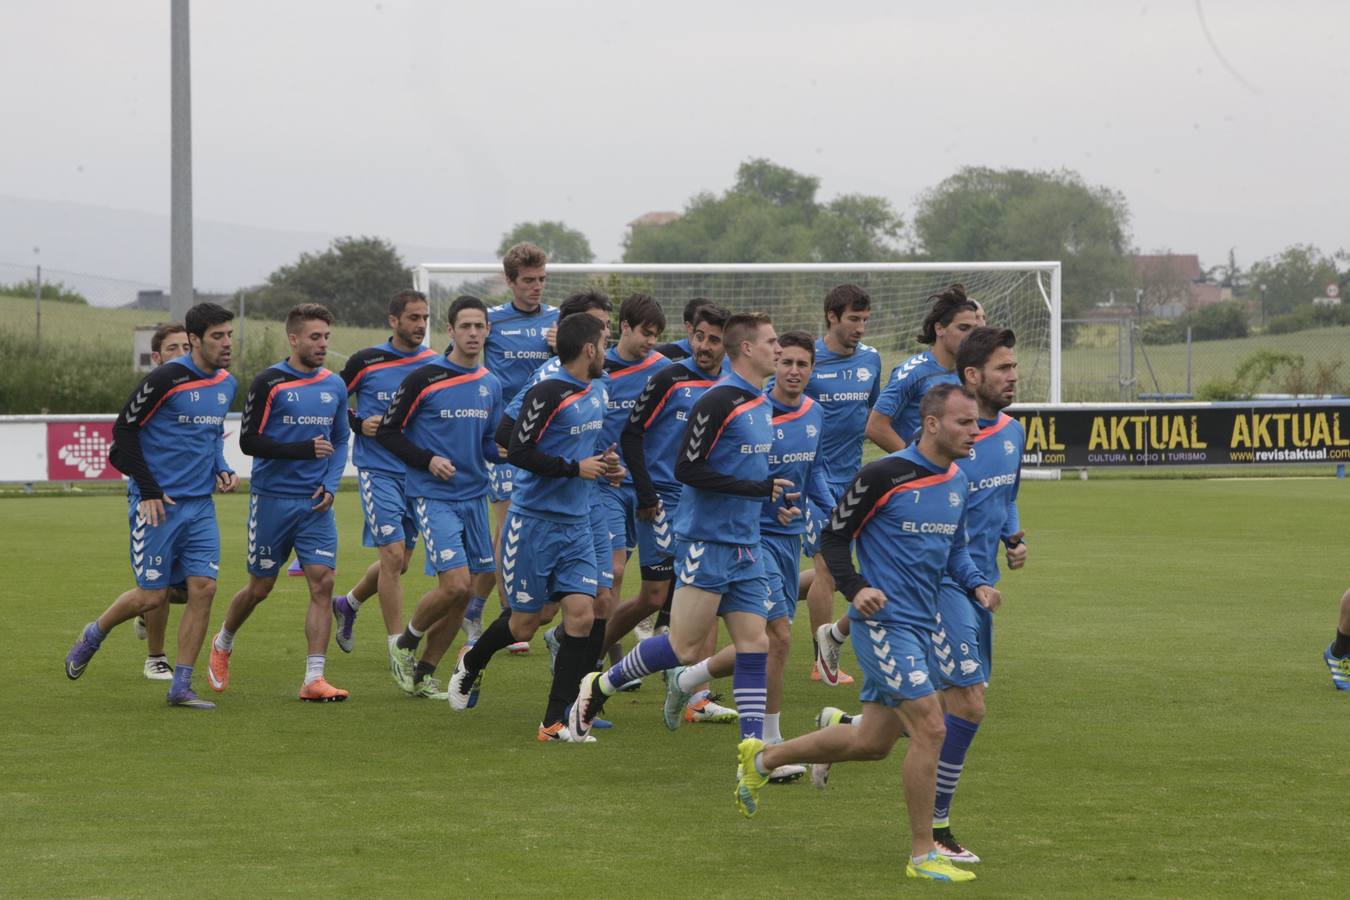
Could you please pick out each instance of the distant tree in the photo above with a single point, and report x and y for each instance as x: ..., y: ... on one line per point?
x: 354, y: 278
x: 982, y: 214
x: 771, y: 215
x: 51, y: 290
x: 1292, y: 278
x: 562, y: 244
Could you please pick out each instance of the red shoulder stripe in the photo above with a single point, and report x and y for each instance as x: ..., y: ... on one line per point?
x: 440, y: 386
x: 917, y: 484
x: 221, y: 375
x: 736, y: 411
x: 388, y: 363
x: 293, y: 383
x: 797, y: 413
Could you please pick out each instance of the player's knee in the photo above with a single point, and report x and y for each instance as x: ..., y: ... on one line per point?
x: 523, y: 627
x: 966, y: 703
x: 873, y: 747
x: 150, y: 601
x: 455, y: 584
x: 780, y: 639
x: 321, y: 589
x: 928, y: 732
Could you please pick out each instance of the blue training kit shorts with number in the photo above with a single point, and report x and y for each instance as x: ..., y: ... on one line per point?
x: 894, y: 661
x: 603, y: 540
x: 782, y: 566
x: 387, y: 509
x: 276, y: 524
x: 732, y: 570
x: 964, y: 642
x: 185, y: 544
x: 455, y: 533
x: 542, y: 560
x: 501, y: 479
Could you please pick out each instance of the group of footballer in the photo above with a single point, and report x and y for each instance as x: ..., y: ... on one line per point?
x: 722, y: 458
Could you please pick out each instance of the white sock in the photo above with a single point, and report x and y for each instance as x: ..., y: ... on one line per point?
x: 856, y: 720
x: 393, y: 639
x: 352, y: 601
x: 838, y: 635
x: 771, y: 733
x: 694, y: 675
x: 224, y: 640
x: 413, y: 631
x: 313, y: 669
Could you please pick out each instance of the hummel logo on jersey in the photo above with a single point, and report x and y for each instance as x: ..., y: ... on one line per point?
x: 138, y: 401
x: 846, y: 507
x: 908, y: 367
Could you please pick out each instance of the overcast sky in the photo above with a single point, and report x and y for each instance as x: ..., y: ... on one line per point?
x: 442, y: 124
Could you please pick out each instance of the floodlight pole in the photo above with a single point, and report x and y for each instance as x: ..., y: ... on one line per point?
x: 180, y: 163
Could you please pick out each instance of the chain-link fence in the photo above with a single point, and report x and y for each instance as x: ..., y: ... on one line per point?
x: 1106, y: 360
x: 97, y: 290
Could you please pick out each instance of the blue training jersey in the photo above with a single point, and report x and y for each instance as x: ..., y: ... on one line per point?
x: 994, y: 471
x: 723, y: 461
x: 909, y: 382
x: 656, y: 425
x: 516, y: 345
x: 169, y: 438
x: 559, y: 425
x: 796, y: 457
x: 372, y: 375
x: 445, y: 410
x: 285, y: 411
x: 907, y: 520
x: 625, y: 381
x: 846, y: 388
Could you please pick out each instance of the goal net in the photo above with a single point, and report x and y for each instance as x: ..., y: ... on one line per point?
x: 1023, y: 296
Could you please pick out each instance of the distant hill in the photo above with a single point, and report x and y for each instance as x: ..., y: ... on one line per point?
x: 110, y: 255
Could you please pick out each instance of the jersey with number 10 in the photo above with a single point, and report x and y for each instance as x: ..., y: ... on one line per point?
x: 517, y: 344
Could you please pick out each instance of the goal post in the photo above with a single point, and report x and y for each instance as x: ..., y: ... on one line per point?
x: 1023, y: 296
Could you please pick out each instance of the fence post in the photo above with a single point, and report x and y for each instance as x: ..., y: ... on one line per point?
x: 37, y: 304
x: 1188, y: 359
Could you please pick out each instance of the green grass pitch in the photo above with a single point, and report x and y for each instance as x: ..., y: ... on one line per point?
x: 1161, y: 724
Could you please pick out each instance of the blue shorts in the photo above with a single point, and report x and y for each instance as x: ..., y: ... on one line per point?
x: 816, y: 519
x: 782, y: 566
x: 543, y: 560
x: 388, y: 512
x: 658, y: 536
x: 621, y: 505
x: 894, y: 661
x: 455, y: 533
x: 603, y: 542
x: 502, y: 478
x: 964, y: 642
x: 186, y: 544
x: 732, y: 570
x: 277, y: 524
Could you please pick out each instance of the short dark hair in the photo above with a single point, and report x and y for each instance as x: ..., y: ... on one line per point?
x: 584, y: 301
x: 693, y: 306
x: 945, y: 305
x: 522, y: 256
x: 464, y: 301
x: 799, y: 339
x: 203, y: 316
x: 979, y: 345
x: 934, y: 403
x: 742, y: 327
x: 163, y: 331
x: 641, y: 309
x: 306, y: 312
x: 712, y: 315
x: 400, y: 301
x: 575, y: 332
x: 845, y: 296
